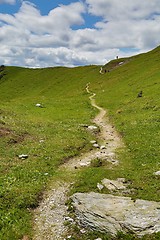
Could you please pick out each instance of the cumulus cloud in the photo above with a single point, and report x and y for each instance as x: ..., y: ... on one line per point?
x: 32, y: 26
x: 60, y: 18
x: 127, y: 23
x: 124, y: 9
x: 31, y: 39
x: 36, y: 40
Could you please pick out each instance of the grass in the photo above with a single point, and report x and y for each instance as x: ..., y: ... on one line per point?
x: 138, y: 122
x: 48, y: 135
x: 54, y: 133
x: 137, y: 119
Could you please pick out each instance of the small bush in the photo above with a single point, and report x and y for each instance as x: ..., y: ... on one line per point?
x: 96, y: 162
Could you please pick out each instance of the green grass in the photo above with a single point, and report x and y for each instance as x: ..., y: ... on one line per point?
x: 137, y: 119
x: 59, y: 124
x: 138, y: 122
x: 23, y: 127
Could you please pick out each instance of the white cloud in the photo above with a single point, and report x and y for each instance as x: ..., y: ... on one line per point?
x: 29, y: 21
x: 31, y: 39
x: 124, y: 9
x: 58, y: 19
x: 127, y: 23
x: 130, y: 33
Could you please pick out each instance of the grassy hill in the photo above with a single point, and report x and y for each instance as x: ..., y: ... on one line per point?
x: 52, y: 134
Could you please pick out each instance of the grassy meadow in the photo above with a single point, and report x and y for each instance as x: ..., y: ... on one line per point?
x: 48, y: 135
x: 52, y: 134
x: 137, y: 119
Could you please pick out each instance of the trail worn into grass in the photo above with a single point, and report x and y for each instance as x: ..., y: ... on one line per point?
x: 108, y: 140
x: 50, y: 216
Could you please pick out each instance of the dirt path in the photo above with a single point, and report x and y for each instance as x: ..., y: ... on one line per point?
x: 108, y: 140
x: 49, y: 217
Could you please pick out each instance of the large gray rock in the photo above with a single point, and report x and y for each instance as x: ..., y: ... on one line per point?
x: 112, y: 214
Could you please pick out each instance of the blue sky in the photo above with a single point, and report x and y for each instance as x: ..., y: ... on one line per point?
x: 49, y: 32
x: 44, y: 5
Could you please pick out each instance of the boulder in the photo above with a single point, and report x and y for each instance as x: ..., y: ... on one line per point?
x: 113, y: 214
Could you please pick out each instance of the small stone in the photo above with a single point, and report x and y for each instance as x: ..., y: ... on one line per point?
x: 100, y: 186
x: 83, y: 231
x: 98, y: 239
x: 23, y: 156
x: 140, y: 94
x: 157, y: 173
x: 84, y: 164
x: 93, y: 141
x: 102, y: 147
x: 92, y: 127
x: 96, y: 145
x: 113, y: 184
x: 68, y: 219
x: 38, y: 105
x: 122, y: 180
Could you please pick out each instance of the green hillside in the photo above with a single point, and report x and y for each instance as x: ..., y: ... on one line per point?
x: 136, y: 118
x: 52, y: 134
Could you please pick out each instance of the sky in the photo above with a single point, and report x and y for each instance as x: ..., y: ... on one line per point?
x: 45, y: 33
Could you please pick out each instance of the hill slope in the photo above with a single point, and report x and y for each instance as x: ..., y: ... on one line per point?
x: 136, y: 118
x: 52, y: 134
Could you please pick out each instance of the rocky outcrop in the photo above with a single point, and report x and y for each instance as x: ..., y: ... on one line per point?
x: 112, y: 214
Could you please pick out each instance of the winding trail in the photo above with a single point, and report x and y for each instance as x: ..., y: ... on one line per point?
x: 109, y: 140
x: 49, y: 217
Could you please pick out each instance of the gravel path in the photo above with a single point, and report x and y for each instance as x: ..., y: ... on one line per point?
x: 49, y: 217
